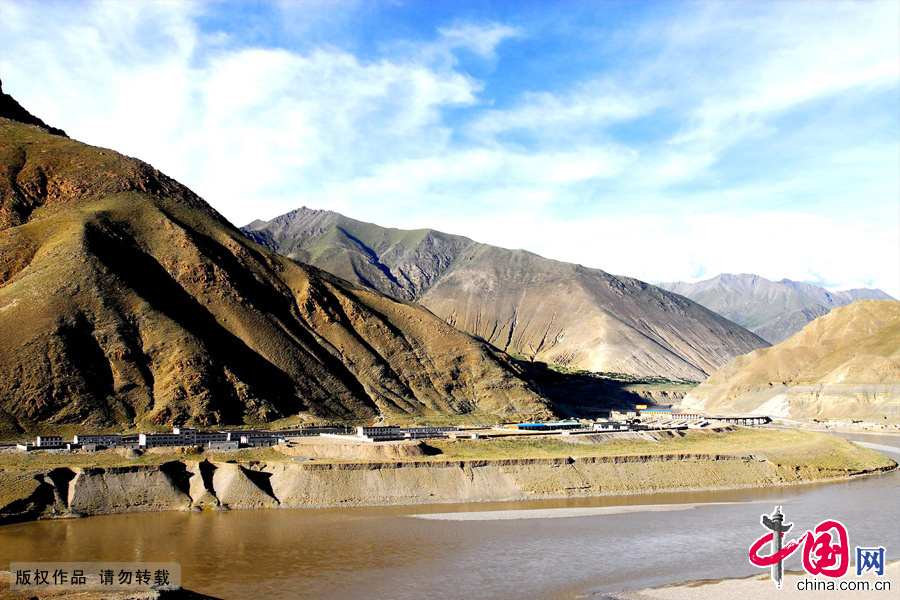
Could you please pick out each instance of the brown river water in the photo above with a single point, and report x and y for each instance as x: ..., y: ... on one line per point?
x: 535, y: 549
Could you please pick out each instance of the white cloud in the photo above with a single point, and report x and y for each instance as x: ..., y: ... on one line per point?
x: 480, y: 39
x: 739, y: 137
x: 592, y: 105
x: 786, y: 55
x: 774, y: 245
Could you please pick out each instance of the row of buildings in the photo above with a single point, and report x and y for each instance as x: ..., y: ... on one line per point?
x: 180, y: 436
x: 638, y: 419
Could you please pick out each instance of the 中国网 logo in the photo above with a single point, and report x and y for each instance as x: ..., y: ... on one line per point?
x: 826, y: 549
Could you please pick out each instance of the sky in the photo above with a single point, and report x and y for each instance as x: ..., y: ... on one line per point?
x: 661, y: 140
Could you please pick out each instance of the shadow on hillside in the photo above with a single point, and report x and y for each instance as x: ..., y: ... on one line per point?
x: 588, y: 395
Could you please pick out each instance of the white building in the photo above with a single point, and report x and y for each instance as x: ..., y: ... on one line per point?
x: 109, y: 439
x: 380, y: 432
x: 261, y: 439
x: 425, y: 432
x: 49, y: 441
x: 157, y: 440
x: 609, y: 426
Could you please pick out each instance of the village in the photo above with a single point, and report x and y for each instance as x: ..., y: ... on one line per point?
x: 642, y: 418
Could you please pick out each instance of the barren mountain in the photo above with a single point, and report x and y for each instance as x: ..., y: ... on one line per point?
x: 772, y: 310
x: 126, y: 300
x: 524, y: 304
x: 845, y: 364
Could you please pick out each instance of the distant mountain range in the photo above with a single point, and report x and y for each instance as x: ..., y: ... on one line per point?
x: 533, y: 307
x: 127, y: 301
x: 843, y: 365
x: 773, y: 310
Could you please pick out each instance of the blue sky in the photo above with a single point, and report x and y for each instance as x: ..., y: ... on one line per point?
x: 666, y: 141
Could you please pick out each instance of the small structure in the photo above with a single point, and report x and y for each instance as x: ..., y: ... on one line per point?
x: 426, y: 432
x: 224, y: 445
x: 686, y: 416
x: 553, y: 426
x: 131, y: 441
x: 158, y: 440
x: 656, y: 412
x: 108, y: 440
x: 261, y: 439
x: 379, y: 432
x: 617, y: 414
x: 195, y: 437
x: 49, y: 441
x: 749, y: 420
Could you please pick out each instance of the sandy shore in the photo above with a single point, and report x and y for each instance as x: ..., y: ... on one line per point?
x: 763, y: 588
x: 556, y: 513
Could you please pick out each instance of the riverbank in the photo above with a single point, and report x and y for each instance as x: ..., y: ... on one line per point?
x: 756, y: 587
x: 65, y: 486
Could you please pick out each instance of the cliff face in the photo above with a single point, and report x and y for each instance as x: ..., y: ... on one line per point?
x: 126, y: 300
x: 181, y: 485
x: 844, y: 365
x: 524, y: 304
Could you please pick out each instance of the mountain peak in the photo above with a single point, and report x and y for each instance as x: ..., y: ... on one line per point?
x: 132, y: 303
x: 12, y: 110
x: 774, y: 310
x: 520, y: 302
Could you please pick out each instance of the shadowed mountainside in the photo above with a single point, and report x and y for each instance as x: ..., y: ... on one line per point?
x: 843, y: 365
x: 772, y: 310
x: 540, y: 309
x: 126, y: 300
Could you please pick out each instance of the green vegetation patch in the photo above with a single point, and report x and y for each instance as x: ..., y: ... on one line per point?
x: 14, y: 486
x: 816, y: 451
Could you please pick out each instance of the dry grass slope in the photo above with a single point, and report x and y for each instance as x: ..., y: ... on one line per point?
x: 541, y: 309
x: 843, y: 365
x: 126, y: 301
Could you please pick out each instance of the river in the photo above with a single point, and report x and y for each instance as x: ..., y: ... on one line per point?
x: 535, y: 549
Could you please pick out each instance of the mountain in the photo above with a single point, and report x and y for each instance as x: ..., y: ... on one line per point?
x: 14, y: 111
x: 126, y: 300
x: 772, y: 310
x: 844, y: 365
x: 541, y: 309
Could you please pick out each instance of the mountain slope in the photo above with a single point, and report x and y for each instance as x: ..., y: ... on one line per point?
x: 14, y: 111
x: 845, y: 364
x: 521, y: 303
x: 772, y: 310
x: 126, y: 300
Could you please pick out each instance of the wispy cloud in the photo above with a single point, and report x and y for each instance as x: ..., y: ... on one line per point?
x: 758, y: 137
x: 480, y: 39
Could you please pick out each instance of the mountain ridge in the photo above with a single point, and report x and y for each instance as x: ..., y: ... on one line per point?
x: 773, y: 310
x: 12, y: 110
x: 520, y: 302
x: 844, y: 364
x: 128, y: 301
